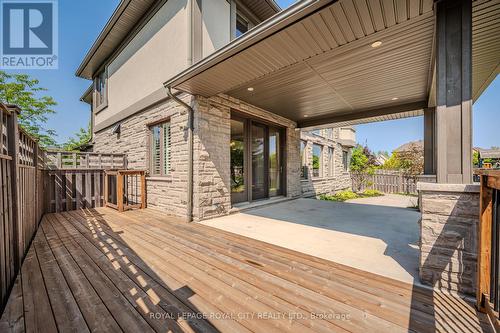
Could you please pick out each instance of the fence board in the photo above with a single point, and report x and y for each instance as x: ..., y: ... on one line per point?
x: 34, y: 182
x: 394, y: 181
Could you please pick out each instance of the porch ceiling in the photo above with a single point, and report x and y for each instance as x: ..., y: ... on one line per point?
x: 314, y: 63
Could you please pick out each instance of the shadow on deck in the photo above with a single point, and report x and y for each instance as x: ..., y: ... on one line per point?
x: 144, y: 271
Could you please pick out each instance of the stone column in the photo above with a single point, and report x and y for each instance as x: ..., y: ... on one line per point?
x: 454, y: 91
x: 448, y: 236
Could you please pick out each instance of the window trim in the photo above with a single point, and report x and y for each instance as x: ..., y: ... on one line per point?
x: 321, y: 167
x: 97, y: 94
x: 303, y: 160
x: 160, y: 123
x: 331, y: 161
x: 346, y: 162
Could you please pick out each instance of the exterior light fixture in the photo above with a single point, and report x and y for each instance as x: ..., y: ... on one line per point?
x: 376, y: 44
x: 394, y: 98
x: 306, y: 115
x: 250, y: 89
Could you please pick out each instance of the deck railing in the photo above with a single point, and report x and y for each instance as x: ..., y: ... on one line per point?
x: 34, y: 182
x: 64, y: 160
x: 125, y: 189
x: 488, y: 270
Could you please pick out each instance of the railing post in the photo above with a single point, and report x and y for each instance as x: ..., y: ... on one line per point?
x: 59, y: 160
x: 143, y: 190
x: 119, y: 191
x: 484, y: 243
x: 106, y: 191
x: 13, y: 148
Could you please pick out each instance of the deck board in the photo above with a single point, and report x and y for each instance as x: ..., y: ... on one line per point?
x: 100, y: 270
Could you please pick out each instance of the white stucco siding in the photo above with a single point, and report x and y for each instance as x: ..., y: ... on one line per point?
x: 155, y: 54
x: 216, y: 25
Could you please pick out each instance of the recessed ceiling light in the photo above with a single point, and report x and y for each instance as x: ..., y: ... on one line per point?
x: 376, y: 44
x: 250, y: 89
x: 306, y: 115
x: 394, y: 98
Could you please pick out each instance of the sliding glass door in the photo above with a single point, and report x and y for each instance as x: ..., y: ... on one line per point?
x: 256, y: 160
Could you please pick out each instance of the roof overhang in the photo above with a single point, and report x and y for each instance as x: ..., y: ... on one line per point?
x: 127, y: 17
x: 87, y: 95
x: 314, y: 63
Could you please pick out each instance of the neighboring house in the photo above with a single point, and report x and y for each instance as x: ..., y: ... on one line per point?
x: 412, y: 146
x: 203, y: 155
x: 380, y: 159
x: 489, y: 158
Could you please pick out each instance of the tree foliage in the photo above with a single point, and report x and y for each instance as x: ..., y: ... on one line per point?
x: 24, y: 91
x: 362, y: 166
x: 82, y: 137
x: 410, y: 161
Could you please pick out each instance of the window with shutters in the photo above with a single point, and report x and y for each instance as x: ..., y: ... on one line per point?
x: 160, y: 149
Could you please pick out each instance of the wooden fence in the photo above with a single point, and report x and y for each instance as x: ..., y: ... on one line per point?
x: 34, y: 182
x: 395, y: 181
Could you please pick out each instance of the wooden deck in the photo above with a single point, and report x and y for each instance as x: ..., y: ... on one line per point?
x: 141, y: 271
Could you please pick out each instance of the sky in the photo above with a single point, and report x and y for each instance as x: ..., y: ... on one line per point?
x: 80, y: 24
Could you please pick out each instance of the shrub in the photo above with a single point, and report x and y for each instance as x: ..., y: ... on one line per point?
x: 339, y: 196
x: 371, y: 193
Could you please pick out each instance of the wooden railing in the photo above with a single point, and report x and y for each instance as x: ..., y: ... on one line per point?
x: 125, y: 189
x: 34, y: 182
x: 63, y: 160
x: 488, y: 267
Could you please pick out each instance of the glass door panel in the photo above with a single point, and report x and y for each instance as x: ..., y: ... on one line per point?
x: 258, y: 142
x: 238, y: 169
x: 275, y: 167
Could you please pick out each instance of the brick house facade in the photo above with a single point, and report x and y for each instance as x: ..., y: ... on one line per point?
x: 212, y: 135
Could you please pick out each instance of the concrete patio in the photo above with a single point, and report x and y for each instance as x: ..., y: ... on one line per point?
x: 371, y: 234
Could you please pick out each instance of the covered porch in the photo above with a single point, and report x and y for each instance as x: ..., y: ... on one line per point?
x: 143, y: 271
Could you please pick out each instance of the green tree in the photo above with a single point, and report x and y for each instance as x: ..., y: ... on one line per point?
x: 82, y: 137
x: 475, y: 158
x: 23, y: 91
x: 361, y: 167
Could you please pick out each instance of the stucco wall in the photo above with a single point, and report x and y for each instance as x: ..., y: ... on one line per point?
x: 156, y: 53
x: 216, y: 25
x: 327, y: 183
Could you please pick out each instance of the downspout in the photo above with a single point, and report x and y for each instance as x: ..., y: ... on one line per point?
x: 190, y: 152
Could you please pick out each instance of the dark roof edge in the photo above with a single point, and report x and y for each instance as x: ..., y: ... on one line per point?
x: 122, y: 6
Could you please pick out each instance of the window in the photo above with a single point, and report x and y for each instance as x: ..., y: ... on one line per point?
x: 160, y: 149
x: 329, y: 133
x: 345, y: 160
x: 303, y: 169
x: 317, y: 162
x: 331, y: 162
x: 242, y: 25
x: 101, y: 89
x: 316, y: 132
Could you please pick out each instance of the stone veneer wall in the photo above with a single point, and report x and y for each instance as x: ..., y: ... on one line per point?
x: 450, y: 216
x: 212, y: 195
x: 166, y: 193
x: 326, y: 184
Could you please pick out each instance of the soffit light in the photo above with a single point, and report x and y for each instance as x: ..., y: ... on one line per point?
x: 250, y: 89
x: 394, y: 98
x: 376, y: 44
